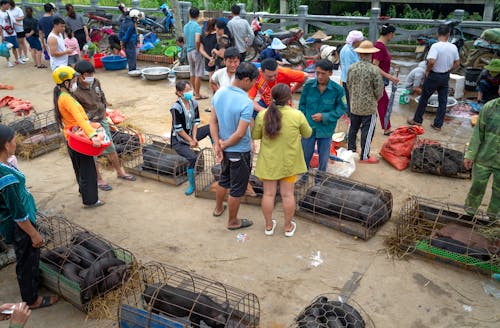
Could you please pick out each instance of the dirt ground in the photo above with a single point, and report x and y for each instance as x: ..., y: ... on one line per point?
x: 158, y: 222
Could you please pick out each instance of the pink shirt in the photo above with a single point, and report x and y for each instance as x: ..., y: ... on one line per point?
x: 73, y: 45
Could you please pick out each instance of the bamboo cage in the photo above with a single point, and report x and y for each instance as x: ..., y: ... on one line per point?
x: 343, y: 204
x: 159, y: 295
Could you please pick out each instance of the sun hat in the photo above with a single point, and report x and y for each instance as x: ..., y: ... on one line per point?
x: 277, y: 44
x: 366, y: 47
x: 354, y: 36
x: 320, y: 35
x: 493, y: 66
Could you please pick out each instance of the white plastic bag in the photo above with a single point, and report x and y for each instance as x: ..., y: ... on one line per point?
x: 344, y: 169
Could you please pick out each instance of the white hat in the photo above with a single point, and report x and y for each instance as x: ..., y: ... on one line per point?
x: 277, y: 44
x: 134, y: 13
x: 354, y: 36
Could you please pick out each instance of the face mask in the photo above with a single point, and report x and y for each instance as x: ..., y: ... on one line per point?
x: 89, y: 79
x: 188, y: 95
x: 74, y: 87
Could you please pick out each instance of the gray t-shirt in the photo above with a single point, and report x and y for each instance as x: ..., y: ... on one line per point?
x: 241, y: 30
x: 445, y: 53
x: 76, y: 23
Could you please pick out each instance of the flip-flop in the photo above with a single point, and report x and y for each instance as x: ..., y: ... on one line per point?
x: 97, y: 204
x: 388, y: 133
x: 271, y: 232
x: 105, y: 187
x: 208, y: 110
x: 201, y: 97
x: 245, y: 223
x: 128, y: 177
x: 219, y: 214
x: 291, y: 232
x: 45, y: 302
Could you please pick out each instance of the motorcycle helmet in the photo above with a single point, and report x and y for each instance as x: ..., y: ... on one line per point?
x: 63, y: 73
x: 164, y: 7
x: 134, y: 13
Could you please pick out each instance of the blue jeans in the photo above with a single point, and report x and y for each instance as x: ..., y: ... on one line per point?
x: 439, y: 82
x: 323, y: 150
x: 131, y: 55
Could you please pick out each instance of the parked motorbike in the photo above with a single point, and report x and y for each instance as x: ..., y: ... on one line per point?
x: 485, y: 50
x: 165, y: 25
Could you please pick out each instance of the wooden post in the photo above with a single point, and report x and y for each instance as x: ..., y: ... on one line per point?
x: 302, y: 14
x: 94, y: 4
x: 283, y: 11
x: 243, y: 12
x: 489, y: 8
x: 373, y: 26
x: 458, y: 14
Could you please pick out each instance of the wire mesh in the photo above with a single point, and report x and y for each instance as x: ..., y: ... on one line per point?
x: 343, y: 204
x: 439, y: 158
x: 333, y: 311
x: 449, y: 233
x: 79, y: 265
x: 160, y: 295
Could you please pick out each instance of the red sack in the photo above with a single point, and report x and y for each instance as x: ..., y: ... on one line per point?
x: 397, y: 149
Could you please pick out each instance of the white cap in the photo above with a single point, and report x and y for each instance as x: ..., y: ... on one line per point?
x: 277, y: 44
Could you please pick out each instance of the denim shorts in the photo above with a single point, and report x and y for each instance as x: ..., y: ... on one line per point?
x: 12, y: 39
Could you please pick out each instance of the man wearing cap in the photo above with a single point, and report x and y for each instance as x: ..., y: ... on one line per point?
x: 273, y: 51
x: 483, y: 156
x: 488, y: 84
x: 322, y: 101
x: 241, y: 31
x: 225, y: 76
x: 366, y: 87
x: 270, y: 75
x: 348, y: 57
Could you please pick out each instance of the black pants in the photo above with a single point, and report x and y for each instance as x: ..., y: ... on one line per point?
x: 27, y: 261
x: 185, y: 151
x: 80, y: 36
x: 439, y: 82
x: 367, y: 125
x: 86, y: 176
x: 348, y: 112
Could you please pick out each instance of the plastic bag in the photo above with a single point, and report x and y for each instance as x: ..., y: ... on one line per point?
x: 4, y: 50
x: 397, y: 148
x: 147, y: 46
x: 347, y: 167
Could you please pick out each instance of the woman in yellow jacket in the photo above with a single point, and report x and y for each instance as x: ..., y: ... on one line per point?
x: 70, y: 113
x: 280, y: 157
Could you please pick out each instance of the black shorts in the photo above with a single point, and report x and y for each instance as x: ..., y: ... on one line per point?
x: 21, y: 35
x: 235, y: 172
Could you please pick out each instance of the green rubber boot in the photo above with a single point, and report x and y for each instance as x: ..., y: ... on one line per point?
x: 190, y: 189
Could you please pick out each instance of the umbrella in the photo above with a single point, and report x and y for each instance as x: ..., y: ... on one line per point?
x: 391, y: 101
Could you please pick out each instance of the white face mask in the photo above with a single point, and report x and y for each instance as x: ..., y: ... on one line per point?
x: 74, y: 87
x: 89, y: 79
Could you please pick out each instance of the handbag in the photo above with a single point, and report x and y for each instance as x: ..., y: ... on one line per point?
x: 9, y: 29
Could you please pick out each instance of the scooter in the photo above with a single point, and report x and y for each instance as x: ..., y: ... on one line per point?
x: 484, y: 52
x: 165, y: 25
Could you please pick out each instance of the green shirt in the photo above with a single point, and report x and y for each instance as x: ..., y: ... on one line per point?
x: 484, y: 145
x: 331, y: 104
x: 282, y: 156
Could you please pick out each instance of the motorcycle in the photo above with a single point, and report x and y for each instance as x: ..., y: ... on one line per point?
x: 165, y: 25
x: 485, y: 50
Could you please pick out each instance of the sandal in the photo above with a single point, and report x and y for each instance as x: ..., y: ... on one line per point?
x: 105, y: 187
x: 127, y: 177
x: 42, y: 66
x: 46, y: 301
x: 271, y: 232
x: 97, y: 204
x: 201, y: 97
x: 245, y: 223
x: 222, y: 212
x: 388, y: 133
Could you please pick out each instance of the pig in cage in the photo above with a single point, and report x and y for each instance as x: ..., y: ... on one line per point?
x: 448, y: 233
x: 159, y: 295
x: 343, y: 204
x: 157, y: 160
x: 208, y: 174
x: 127, y: 141
x: 333, y: 311
x: 439, y: 158
x: 80, y: 265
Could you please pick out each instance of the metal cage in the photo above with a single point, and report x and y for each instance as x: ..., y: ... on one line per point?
x: 343, y: 204
x: 333, y: 310
x: 207, y: 177
x: 79, y: 265
x: 159, y: 295
x: 449, y: 233
x: 439, y: 158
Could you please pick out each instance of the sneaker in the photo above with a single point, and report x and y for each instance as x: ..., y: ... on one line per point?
x: 9, y: 64
x: 17, y: 62
x: 25, y: 59
x: 370, y: 160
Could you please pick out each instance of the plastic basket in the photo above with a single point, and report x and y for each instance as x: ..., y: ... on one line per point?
x: 114, y: 63
x: 84, y: 145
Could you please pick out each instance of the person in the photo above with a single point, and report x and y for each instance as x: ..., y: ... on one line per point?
x: 273, y: 51
x: 225, y: 76
x: 315, y: 42
x: 415, y: 79
x: 46, y: 23
x: 18, y: 223
x: 488, y: 85
x: 87, y: 90
x: 8, y: 31
x: 76, y: 23
x: 483, y: 157
x: 71, y: 43
x: 208, y: 43
x: 68, y: 112
x: 240, y: 31
x: 281, y: 157
x: 229, y: 128
x: 270, y: 75
x: 322, y: 101
x: 192, y: 35
x: 32, y: 36
x: 186, y: 132
x: 57, y: 49
x: 18, y: 16
x: 128, y: 38
x: 20, y: 315
x: 442, y: 58
x: 182, y: 53
x: 223, y: 42
x: 382, y: 59
x: 366, y: 86
x: 348, y: 57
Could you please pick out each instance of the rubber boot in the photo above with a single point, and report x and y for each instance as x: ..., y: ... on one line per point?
x: 190, y: 189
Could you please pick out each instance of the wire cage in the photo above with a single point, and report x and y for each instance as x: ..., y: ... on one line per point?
x: 127, y: 141
x: 80, y: 265
x: 439, y: 158
x: 343, y: 204
x: 159, y: 295
x: 207, y: 177
x: 154, y: 158
x: 335, y: 311
x: 447, y: 232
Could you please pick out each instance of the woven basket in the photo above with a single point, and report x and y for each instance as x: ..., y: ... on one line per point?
x: 156, y: 58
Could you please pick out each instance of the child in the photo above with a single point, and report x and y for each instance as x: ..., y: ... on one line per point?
x: 72, y: 43
x: 183, y: 52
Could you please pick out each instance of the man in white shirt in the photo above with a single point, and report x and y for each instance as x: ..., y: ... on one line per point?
x: 17, y: 14
x: 57, y: 49
x: 241, y: 32
x: 442, y: 58
x: 225, y: 76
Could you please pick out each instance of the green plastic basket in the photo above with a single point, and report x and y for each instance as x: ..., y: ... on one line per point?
x: 424, y: 246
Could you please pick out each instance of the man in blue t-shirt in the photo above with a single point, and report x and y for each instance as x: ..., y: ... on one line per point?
x: 192, y: 36
x: 229, y: 128
x: 46, y: 23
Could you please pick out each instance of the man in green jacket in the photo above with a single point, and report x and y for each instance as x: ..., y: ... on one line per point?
x: 483, y: 156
